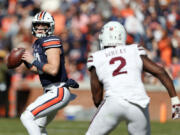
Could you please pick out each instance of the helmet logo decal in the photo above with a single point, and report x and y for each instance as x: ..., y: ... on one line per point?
x: 111, y: 28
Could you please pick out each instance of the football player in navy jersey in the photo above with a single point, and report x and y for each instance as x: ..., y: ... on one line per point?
x: 47, y: 61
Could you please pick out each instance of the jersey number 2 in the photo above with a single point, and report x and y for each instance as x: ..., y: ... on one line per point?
x: 118, y: 71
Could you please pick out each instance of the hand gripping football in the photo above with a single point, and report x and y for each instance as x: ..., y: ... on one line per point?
x: 14, y: 58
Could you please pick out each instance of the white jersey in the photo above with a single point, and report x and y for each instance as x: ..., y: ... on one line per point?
x: 119, y: 69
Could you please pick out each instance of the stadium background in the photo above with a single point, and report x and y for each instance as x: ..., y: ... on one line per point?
x: 152, y: 23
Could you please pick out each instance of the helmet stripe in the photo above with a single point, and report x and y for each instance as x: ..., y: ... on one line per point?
x: 37, y: 16
x: 41, y: 15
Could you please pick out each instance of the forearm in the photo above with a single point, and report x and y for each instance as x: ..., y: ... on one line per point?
x: 159, y: 72
x: 175, y: 102
x: 167, y: 82
x: 51, y: 69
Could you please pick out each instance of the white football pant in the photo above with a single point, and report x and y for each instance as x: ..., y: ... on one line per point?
x: 114, y: 110
x: 44, y: 108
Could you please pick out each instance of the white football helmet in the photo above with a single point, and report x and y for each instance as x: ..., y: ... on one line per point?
x: 45, y: 18
x: 113, y: 33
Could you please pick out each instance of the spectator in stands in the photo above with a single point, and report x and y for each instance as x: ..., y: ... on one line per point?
x: 165, y: 48
x: 4, y: 85
x: 89, y: 17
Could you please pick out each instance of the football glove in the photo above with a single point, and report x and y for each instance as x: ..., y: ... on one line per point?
x: 175, y: 107
x: 176, y: 111
x: 71, y: 83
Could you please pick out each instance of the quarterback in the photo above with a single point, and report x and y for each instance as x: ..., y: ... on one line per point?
x: 47, y: 61
x: 116, y: 68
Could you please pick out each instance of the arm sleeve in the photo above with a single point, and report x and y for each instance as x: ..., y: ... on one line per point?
x: 141, y: 50
x: 52, y: 42
x: 90, y: 62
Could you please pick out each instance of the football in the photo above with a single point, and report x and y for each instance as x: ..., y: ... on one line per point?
x: 14, y: 58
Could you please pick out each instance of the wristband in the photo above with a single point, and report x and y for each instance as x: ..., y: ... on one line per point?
x: 38, y: 64
x: 175, y: 100
x: 28, y: 65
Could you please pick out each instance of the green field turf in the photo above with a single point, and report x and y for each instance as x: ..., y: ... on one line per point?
x: 58, y: 127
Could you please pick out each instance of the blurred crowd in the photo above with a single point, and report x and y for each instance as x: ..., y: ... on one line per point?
x: 155, y: 24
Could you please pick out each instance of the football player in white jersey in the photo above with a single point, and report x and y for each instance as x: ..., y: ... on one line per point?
x: 117, y: 69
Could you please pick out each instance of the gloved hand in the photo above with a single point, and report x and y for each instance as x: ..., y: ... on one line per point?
x: 71, y: 83
x: 175, y: 107
x: 176, y: 111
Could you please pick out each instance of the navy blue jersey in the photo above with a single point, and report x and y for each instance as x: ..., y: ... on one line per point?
x: 39, y: 50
